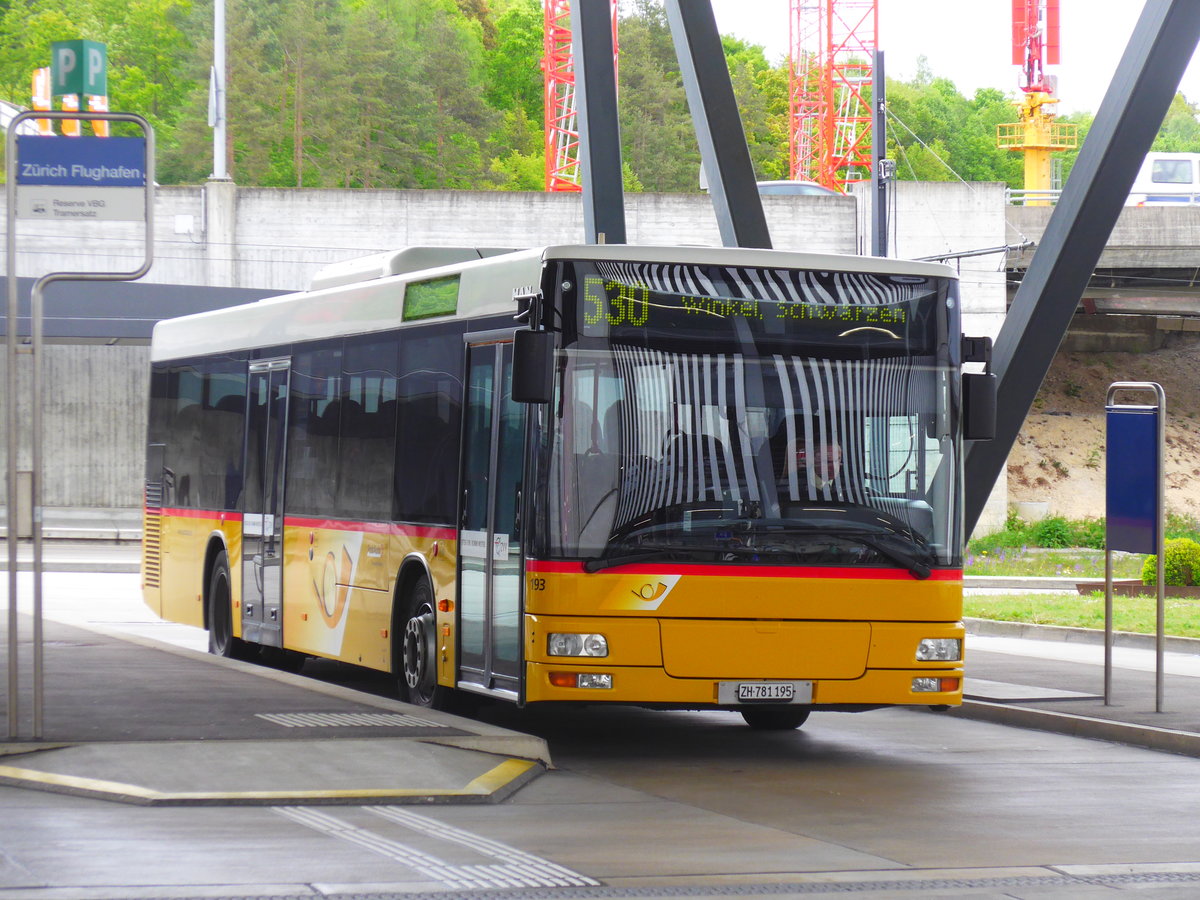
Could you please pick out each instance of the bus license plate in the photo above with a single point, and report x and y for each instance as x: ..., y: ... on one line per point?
x: 730, y: 693
x: 772, y: 691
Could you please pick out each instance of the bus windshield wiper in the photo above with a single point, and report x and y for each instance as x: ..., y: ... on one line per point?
x: 596, y: 563
x: 916, y: 567
x: 642, y: 553
x: 880, y: 542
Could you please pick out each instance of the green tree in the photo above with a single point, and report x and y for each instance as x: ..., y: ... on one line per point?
x: 479, y: 11
x: 937, y: 134
x: 26, y: 32
x: 762, y: 97
x: 513, y: 63
x: 1180, y: 132
x: 455, y: 119
x: 148, y: 70
x: 657, y: 137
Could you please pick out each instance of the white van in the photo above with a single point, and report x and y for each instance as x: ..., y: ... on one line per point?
x: 1166, y: 178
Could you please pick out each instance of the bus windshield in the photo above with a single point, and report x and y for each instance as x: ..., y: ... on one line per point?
x: 729, y: 415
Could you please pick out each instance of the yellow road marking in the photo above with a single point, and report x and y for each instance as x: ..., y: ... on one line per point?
x: 484, y: 785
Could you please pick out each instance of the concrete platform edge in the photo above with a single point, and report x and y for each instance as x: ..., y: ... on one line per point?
x: 70, y: 565
x: 1163, y: 739
x: 995, y: 628
x: 493, y: 786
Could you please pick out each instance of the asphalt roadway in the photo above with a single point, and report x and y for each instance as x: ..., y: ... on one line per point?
x: 1028, y: 676
x: 133, y: 720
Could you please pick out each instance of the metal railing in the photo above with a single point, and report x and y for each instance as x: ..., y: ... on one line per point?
x: 1023, y: 197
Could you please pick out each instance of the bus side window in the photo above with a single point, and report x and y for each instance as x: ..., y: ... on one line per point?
x: 313, y: 421
x: 186, y: 435
x: 368, y: 428
x: 224, y: 422
x: 429, y: 400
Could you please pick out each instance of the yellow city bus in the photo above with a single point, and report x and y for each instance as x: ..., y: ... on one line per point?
x: 665, y: 476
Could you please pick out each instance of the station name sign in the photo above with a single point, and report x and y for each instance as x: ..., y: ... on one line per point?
x: 82, y: 161
x: 81, y: 177
x: 79, y: 173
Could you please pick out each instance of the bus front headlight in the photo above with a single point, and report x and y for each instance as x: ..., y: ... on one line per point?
x: 939, y: 650
x: 564, y: 644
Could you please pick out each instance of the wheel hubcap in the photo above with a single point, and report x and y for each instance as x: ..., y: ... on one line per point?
x: 418, y: 652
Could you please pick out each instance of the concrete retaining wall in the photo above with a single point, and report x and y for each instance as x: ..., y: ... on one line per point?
x: 95, y: 423
x: 223, y: 235
x: 1143, y: 236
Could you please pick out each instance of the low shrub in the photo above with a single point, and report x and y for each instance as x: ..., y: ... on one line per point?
x: 1087, y: 533
x: 1059, y: 532
x: 1181, y: 564
x: 1182, y: 526
x: 1052, y: 531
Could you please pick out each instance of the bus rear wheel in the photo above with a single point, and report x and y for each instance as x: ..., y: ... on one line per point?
x: 417, y: 675
x: 221, y: 641
x: 779, y: 718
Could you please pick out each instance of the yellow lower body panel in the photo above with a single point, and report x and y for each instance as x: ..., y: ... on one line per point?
x: 645, y: 685
x: 683, y: 661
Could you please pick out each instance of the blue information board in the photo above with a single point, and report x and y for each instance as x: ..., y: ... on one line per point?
x: 81, y: 161
x: 1132, y: 478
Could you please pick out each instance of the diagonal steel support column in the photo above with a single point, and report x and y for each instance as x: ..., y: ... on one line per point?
x: 718, y: 124
x: 599, y: 130
x: 1128, y: 119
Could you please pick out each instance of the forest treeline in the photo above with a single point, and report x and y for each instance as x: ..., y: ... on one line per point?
x: 448, y: 94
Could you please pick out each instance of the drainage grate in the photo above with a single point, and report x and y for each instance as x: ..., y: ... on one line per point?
x: 348, y: 720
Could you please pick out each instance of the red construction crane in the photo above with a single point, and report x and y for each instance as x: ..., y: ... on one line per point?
x: 562, y: 124
x: 1035, y: 30
x: 833, y: 45
x: 1038, y: 135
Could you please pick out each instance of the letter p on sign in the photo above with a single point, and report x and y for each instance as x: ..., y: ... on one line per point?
x: 79, y: 67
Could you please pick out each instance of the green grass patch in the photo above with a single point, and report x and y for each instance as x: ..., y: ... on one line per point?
x: 1086, y: 565
x: 1137, y: 614
x: 1055, y: 546
x: 1058, y: 532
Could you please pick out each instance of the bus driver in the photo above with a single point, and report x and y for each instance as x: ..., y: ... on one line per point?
x: 826, y: 464
x: 811, y: 458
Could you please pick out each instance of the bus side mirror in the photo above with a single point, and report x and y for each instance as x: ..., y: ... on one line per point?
x: 533, y: 367
x: 979, y: 407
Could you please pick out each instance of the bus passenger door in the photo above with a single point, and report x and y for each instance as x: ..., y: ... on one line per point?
x: 490, y: 535
x: 262, y: 514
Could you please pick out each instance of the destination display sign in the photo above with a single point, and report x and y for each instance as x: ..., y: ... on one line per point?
x: 615, y: 308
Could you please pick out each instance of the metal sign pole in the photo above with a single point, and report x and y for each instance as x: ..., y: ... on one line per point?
x: 1108, y: 621
x: 10, y: 430
x: 37, y: 390
x: 1160, y: 616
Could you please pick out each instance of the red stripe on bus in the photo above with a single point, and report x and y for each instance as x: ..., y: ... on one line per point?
x: 841, y: 572
x: 419, y: 531
x: 222, y: 515
x: 422, y: 531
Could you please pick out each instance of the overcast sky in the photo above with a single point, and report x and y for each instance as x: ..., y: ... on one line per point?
x: 969, y: 42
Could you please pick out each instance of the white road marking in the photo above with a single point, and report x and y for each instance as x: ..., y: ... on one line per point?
x: 514, y: 868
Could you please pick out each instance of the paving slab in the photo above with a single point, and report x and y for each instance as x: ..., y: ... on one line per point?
x: 131, y: 720
x: 1070, y: 661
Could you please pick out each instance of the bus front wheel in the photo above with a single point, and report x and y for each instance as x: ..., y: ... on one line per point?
x: 221, y: 641
x: 780, y: 718
x: 417, y: 675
